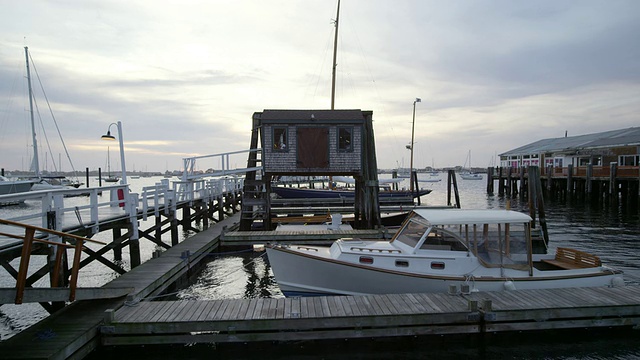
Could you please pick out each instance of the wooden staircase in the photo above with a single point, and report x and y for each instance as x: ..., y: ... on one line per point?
x: 256, y: 204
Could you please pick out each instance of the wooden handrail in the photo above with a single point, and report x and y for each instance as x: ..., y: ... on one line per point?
x: 50, y: 231
x: 29, y: 238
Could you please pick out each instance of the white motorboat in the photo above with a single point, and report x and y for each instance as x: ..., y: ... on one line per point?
x: 470, y: 176
x: 436, y: 251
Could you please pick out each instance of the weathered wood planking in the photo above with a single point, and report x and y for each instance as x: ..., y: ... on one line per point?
x: 334, y: 317
x: 560, y: 308
x: 77, y: 327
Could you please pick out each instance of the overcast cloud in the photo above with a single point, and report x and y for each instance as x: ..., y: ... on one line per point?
x: 185, y: 77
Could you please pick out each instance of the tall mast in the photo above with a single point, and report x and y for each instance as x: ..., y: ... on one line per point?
x: 335, y: 56
x: 35, y: 163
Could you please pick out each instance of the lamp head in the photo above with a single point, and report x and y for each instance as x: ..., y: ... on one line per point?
x: 108, y: 136
x: 418, y: 100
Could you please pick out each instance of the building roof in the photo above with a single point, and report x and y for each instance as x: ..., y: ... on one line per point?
x: 613, y: 138
x: 313, y: 116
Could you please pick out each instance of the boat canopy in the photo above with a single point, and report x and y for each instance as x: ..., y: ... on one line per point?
x: 471, y: 216
x: 498, y: 238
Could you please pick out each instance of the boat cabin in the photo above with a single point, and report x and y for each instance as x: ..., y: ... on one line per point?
x: 497, y: 238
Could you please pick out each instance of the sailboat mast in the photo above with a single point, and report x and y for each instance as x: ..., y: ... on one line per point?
x: 335, y: 64
x: 36, y: 164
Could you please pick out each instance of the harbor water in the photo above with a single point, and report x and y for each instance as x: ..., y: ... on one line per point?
x: 610, y: 231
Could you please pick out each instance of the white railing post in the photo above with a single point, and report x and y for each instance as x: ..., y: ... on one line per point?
x: 133, y: 215
x: 93, y: 210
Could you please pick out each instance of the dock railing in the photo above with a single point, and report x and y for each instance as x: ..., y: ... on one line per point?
x: 53, y: 207
x: 54, y: 239
x: 218, y: 165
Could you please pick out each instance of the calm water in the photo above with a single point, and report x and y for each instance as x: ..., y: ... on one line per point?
x: 611, y: 232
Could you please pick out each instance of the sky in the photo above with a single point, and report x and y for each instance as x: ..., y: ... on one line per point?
x: 185, y: 77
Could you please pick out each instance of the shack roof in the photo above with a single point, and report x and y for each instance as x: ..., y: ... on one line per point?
x: 313, y: 116
x: 613, y: 138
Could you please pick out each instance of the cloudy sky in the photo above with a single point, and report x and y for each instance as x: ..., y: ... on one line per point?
x: 185, y: 77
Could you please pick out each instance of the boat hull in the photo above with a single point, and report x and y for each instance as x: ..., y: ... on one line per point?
x: 298, y: 193
x: 305, y: 274
x: 14, y: 187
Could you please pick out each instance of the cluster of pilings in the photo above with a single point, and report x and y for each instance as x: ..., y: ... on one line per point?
x: 608, y: 184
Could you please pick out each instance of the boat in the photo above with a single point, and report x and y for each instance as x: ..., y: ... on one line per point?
x: 439, y: 251
x: 306, y: 193
x: 110, y: 178
x: 40, y: 181
x: 9, y: 186
x: 53, y: 183
x: 335, y: 192
x: 468, y: 174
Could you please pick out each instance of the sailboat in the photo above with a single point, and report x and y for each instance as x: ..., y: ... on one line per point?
x: 110, y: 178
x: 468, y: 174
x: 43, y: 182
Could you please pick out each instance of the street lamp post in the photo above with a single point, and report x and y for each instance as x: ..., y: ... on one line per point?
x: 108, y: 136
x: 413, y: 125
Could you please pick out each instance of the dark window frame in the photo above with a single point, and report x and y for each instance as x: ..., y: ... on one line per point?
x: 350, y: 130
x: 276, y: 132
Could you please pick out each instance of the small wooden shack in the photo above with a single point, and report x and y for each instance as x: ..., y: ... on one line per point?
x: 312, y: 143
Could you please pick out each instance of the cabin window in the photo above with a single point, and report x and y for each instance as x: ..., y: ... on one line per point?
x: 445, y: 239
x: 502, y: 244
x: 366, y: 260
x: 437, y: 265
x: 345, y: 138
x: 402, y: 263
x: 280, y: 139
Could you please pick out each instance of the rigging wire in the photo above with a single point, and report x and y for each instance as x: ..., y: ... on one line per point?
x: 66, y: 151
x: 319, y: 69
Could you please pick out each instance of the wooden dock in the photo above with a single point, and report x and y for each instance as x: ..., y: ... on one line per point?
x: 85, y: 325
x: 74, y: 331
x: 394, y: 315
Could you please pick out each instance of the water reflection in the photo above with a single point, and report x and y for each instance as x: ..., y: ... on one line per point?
x: 234, y: 275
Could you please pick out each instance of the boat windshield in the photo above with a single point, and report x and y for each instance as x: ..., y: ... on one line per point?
x: 412, y: 231
x: 445, y: 238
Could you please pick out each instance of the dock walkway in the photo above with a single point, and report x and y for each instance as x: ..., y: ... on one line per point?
x: 74, y: 331
x: 342, y: 317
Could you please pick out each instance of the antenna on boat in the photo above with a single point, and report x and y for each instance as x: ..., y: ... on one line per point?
x: 335, y: 55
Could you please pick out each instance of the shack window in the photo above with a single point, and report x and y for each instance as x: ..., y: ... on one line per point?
x: 345, y: 139
x: 280, y: 139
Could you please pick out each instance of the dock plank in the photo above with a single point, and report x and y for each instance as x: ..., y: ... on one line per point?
x: 156, y: 312
x: 197, y: 311
x: 251, y: 308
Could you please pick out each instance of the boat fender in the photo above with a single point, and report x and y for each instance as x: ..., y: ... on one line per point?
x: 509, y: 285
x: 617, y: 282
